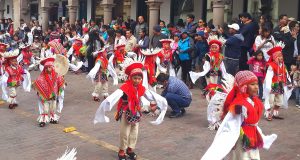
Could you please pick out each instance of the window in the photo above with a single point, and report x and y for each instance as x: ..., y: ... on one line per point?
x: 7, y: 9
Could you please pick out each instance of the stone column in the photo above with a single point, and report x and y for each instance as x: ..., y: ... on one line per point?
x: 218, y: 12
x: 2, y: 9
x: 72, y: 6
x: 16, y: 13
x: 45, y: 14
x: 154, y: 7
x: 45, y: 18
x: 107, y: 10
x: 25, y: 10
x: 2, y: 13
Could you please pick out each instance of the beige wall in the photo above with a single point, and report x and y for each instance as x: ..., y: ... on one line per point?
x: 237, y: 8
x: 133, y: 9
x: 289, y: 7
x: 165, y: 10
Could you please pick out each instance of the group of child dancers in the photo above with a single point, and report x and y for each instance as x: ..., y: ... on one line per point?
x: 240, y: 110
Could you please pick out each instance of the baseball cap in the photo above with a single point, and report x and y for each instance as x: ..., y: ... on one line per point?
x: 234, y: 26
x: 157, y: 28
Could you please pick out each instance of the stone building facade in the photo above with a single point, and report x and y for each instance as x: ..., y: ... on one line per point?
x: 219, y: 11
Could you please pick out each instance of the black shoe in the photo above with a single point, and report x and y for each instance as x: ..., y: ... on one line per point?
x: 122, y: 157
x: 11, y: 106
x: 146, y: 112
x: 42, y: 124
x: 53, y: 122
x: 175, y: 115
x: 277, y: 117
x: 132, y: 155
x: 182, y: 111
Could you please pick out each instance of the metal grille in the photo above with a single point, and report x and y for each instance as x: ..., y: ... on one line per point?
x: 181, y: 6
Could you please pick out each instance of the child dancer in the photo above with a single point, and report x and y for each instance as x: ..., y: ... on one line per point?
x: 165, y: 57
x: 239, y: 132
x: 14, y: 74
x: 213, y: 67
x: 99, y: 74
x: 129, y: 107
x: 49, y: 86
x: 276, y: 83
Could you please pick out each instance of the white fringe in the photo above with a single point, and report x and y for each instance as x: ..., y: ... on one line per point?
x: 69, y: 155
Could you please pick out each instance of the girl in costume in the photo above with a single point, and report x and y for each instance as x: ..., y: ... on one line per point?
x: 49, y: 86
x: 277, y: 82
x: 239, y: 133
x: 128, y: 98
x: 257, y: 65
x: 213, y: 68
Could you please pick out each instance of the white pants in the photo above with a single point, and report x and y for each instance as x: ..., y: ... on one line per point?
x: 238, y: 153
x: 48, y: 112
x: 128, y: 134
x: 100, y: 87
x: 12, y: 95
x: 276, y: 100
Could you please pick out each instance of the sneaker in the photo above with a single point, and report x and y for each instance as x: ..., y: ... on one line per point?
x: 297, y: 105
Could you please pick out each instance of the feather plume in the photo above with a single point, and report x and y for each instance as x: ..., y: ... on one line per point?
x: 69, y: 155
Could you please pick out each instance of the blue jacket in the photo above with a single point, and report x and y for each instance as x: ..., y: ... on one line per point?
x: 185, y: 46
x: 233, y: 46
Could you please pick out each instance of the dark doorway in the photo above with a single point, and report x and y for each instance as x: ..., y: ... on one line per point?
x: 298, y: 10
x: 82, y: 9
x: 204, y: 10
x: 142, y: 10
x: 245, y: 6
x: 34, y: 11
x: 53, y: 12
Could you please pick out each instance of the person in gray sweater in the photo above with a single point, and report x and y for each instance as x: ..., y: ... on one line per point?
x: 140, y: 25
x: 157, y: 35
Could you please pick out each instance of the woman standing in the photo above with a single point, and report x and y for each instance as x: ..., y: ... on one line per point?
x: 94, y: 44
x: 264, y: 42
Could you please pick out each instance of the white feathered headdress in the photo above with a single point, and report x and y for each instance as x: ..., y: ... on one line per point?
x: 214, y: 39
x: 278, y: 46
x: 11, y: 54
x: 150, y: 52
x: 128, y: 61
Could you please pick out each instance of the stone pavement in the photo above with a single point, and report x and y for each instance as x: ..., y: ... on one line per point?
x: 185, y: 138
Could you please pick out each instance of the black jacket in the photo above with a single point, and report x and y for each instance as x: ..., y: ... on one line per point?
x: 288, y: 50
